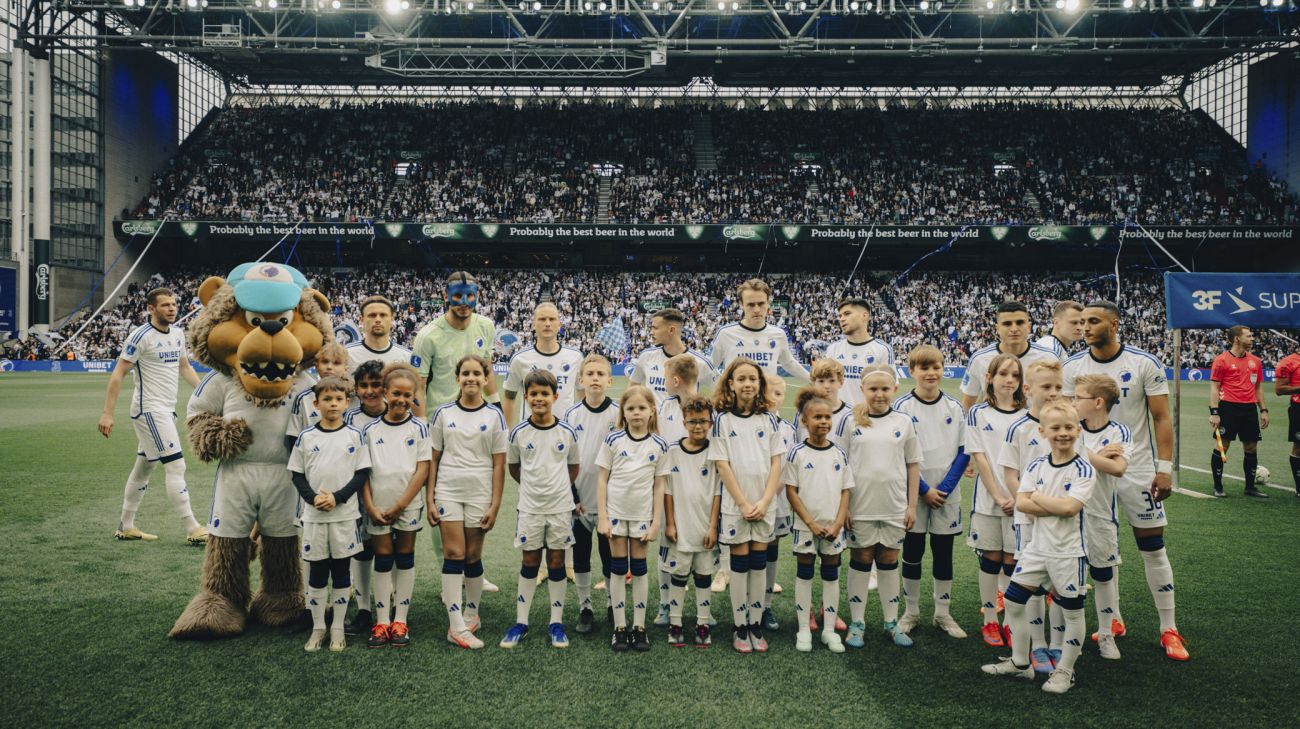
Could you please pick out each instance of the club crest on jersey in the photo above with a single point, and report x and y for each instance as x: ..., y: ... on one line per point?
x: 482, y: 426
x: 478, y: 343
x: 559, y: 446
x: 837, y: 467
x: 948, y: 420
x: 1125, y: 376
x: 130, y: 349
x: 704, y: 472
x: 771, y: 344
x: 416, y: 361
x: 898, y: 434
x: 409, y: 441
x: 352, y: 449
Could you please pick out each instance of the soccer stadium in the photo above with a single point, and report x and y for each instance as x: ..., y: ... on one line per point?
x: 650, y: 363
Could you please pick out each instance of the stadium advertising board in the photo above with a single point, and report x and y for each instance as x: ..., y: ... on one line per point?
x: 1221, y: 300
x: 735, y: 233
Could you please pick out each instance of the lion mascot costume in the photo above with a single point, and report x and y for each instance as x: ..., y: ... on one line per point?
x: 259, y: 331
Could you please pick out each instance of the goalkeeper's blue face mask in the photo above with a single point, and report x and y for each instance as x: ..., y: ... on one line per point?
x: 462, y: 294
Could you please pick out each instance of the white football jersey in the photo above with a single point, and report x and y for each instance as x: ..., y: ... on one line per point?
x: 821, y: 475
x: 564, y: 364
x: 1053, y: 345
x: 221, y: 395
x: 768, y: 347
x: 747, y: 443
x: 303, y: 413
x: 359, y: 418
x: 1139, y: 376
x: 633, y: 464
x: 781, y: 503
x: 941, y: 430
x: 155, y: 357
x: 973, y: 383
x: 878, y: 457
x: 329, y: 459
x: 986, y: 431
x: 692, y: 480
x: 1059, y: 536
x: 467, y: 440
x: 1102, y: 503
x: 648, y: 369
x: 1021, y: 446
x: 544, y: 456
x: 854, y: 358
x: 358, y: 352
x: 671, y: 426
x: 592, y: 426
x: 842, y: 413
x: 395, y: 451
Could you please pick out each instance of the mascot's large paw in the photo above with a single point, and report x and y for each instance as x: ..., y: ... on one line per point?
x: 280, y: 600
x: 218, y: 611
x: 214, y: 438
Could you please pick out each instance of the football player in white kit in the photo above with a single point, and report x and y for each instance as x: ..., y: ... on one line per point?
x: 1067, y: 329
x: 154, y: 354
x: 648, y: 367
x: 754, y: 337
x: 1013, y: 326
x: 857, y: 348
x: 545, y: 354
x: 1143, y: 407
x: 377, y: 320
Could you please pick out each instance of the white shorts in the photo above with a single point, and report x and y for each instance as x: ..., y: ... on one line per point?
x: 863, y: 533
x: 245, y: 493
x: 682, y: 564
x: 1143, y: 510
x: 991, y: 533
x: 783, y: 527
x: 1101, y: 541
x: 805, y: 542
x: 410, y: 520
x: 471, y: 514
x: 944, y: 520
x: 1024, y: 535
x: 156, y: 436
x: 552, y: 531
x: 632, y: 528
x: 1065, y: 575
x: 330, y: 540
x: 738, y: 530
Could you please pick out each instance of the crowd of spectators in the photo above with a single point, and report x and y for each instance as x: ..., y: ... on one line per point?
x: 952, y: 310
x: 541, y: 163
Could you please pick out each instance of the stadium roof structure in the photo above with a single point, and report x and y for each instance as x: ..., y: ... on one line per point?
x: 669, y: 42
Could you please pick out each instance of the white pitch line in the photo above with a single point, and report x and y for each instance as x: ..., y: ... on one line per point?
x: 1231, y: 476
x: 1193, y: 494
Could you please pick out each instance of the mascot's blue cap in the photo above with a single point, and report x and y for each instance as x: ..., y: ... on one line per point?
x: 267, y: 288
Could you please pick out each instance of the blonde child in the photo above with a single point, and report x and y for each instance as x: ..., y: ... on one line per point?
x: 747, y: 446
x: 1022, y: 445
x: 827, y: 381
x: 329, y: 463
x: 817, y: 479
x: 1054, y: 489
x: 885, y: 457
x: 691, y: 508
x: 465, y: 483
x: 399, y: 455
x: 992, y: 525
x: 629, y: 495
x: 680, y: 374
x: 784, y: 517
x: 593, y: 418
x: 331, y: 361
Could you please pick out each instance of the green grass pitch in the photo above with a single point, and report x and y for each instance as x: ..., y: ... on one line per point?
x: 85, y: 621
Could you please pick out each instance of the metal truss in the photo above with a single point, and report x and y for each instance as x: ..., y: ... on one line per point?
x: 524, y: 62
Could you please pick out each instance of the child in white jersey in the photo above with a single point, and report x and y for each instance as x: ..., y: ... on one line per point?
x: 992, y: 525
x: 331, y: 361
x: 629, y: 493
x: 329, y: 464
x: 784, y: 521
x: 817, y: 479
x: 368, y: 379
x: 399, y: 456
x: 1054, y: 489
x: 680, y: 375
x: 885, y: 458
x: 466, y: 482
x: 592, y: 418
x: 691, y: 509
x: 747, y: 445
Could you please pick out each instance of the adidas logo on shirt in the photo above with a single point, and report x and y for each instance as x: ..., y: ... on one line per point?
x: 808, y: 467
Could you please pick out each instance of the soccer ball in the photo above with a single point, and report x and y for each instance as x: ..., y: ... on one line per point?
x: 1261, y: 474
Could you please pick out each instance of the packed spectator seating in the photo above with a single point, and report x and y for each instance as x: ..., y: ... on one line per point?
x: 489, y: 162
x: 952, y: 310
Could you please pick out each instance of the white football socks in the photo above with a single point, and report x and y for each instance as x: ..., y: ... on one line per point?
x: 178, y: 493
x: 1160, y: 580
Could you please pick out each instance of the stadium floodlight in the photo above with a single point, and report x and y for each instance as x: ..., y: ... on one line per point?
x: 272, y: 4
x: 1128, y: 4
x: 601, y: 6
x: 191, y: 4
x: 335, y: 4
x: 537, y: 5
x: 129, y: 3
x: 1277, y: 3
x: 854, y: 6
x: 925, y: 5
x: 1198, y: 4
x: 392, y: 7
x: 1071, y: 6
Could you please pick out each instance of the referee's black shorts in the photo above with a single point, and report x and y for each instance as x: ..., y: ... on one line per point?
x: 1293, y: 415
x: 1239, y: 421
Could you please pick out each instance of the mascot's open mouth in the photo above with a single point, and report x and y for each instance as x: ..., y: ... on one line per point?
x: 268, y: 371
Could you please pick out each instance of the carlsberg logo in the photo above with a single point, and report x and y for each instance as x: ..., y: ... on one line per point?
x: 43, y: 282
x: 439, y: 230
x: 1046, y: 232
x: 744, y: 232
x: 140, y: 227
